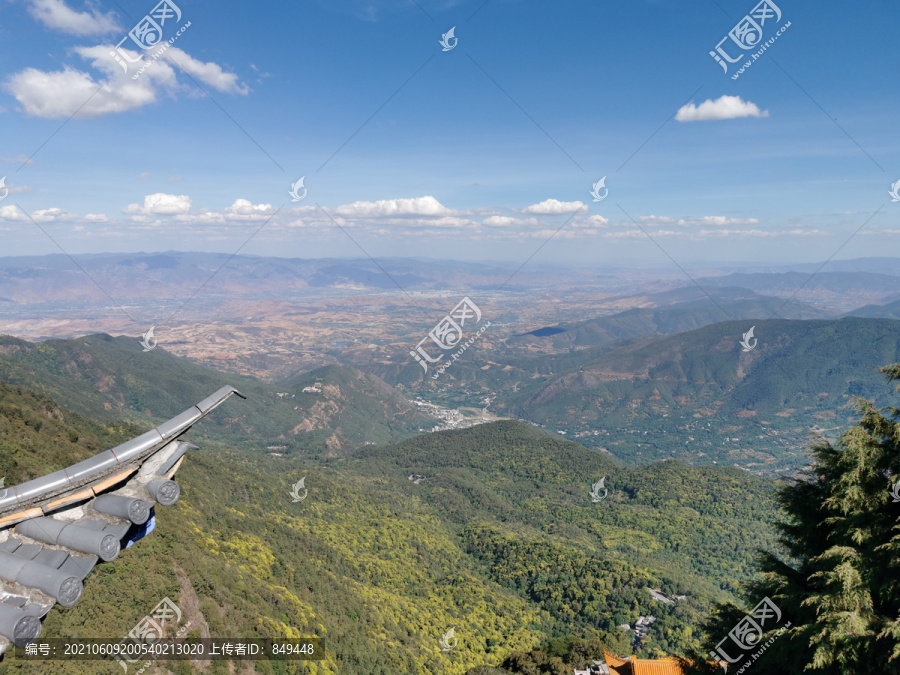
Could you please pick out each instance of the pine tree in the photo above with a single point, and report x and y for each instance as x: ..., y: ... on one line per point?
x: 837, y: 581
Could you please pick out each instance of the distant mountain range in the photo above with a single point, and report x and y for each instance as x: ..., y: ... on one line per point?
x: 890, y: 310
x: 677, y: 311
x: 95, y: 278
x: 835, y: 289
x: 875, y: 265
x: 178, y: 275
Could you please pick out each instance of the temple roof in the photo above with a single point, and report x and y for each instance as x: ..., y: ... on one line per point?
x: 54, y: 529
x: 635, y: 666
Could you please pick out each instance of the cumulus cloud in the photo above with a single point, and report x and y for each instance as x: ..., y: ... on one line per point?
x: 158, y: 206
x: 207, y: 72
x: 11, y: 212
x: 594, y: 221
x: 723, y: 108
x: 57, y: 15
x: 550, y: 207
x: 95, y: 218
x: 416, y: 206
x: 60, y: 93
x: 161, y: 204
x: 244, y: 209
x: 506, y: 221
x: 51, y: 215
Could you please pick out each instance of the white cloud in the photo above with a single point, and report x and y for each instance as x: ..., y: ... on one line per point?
x: 61, y: 93
x: 594, y: 221
x: 11, y: 212
x: 656, y: 220
x: 95, y: 218
x: 51, y: 215
x: 447, y: 222
x: 719, y: 221
x: 506, y: 221
x: 143, y: 175
x: 416, y: 206
x: 407, y: 224
x: 161, y: 204
x: 808, y: 233
x: 723, y: 108
x: 202, y: 217
x: 625, y: 234
x: 207, y: 72
x: 743, y: 233
x: 57, y: 15
x: 244, y: 209
x: 550, y: 207
x: 554, y: 234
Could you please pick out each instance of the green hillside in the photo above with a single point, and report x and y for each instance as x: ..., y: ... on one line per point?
x: 698, y: 396
x: 890, y: 310
x: 38, y: 437
x: 500, y: 542
x: 113, y: 379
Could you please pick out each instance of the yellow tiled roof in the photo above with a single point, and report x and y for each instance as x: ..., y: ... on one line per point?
x: 633, y: 666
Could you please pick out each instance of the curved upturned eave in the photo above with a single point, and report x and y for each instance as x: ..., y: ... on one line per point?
x: 35, y: 493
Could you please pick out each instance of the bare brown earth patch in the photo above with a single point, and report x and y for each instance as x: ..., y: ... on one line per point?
x: 189, y: 604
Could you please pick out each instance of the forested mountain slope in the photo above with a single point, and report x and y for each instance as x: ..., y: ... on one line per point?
x: 500, y: 541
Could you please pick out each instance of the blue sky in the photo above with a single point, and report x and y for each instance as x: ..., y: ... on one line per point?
x: 483, y: 153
